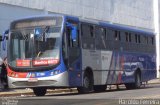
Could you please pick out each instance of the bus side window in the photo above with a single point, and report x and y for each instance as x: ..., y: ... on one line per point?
x: 105, y: 33
x: 139, y: 39
x: 117, y: 35
x: 88, y: 36
x: 92, y: 31
x: 152, y: 40
x: 128, y: 37
x: 136, y: 38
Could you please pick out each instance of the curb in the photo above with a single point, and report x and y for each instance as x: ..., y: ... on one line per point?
x: 24, y: 92
x: 30, y: 92
x: 155, y: 81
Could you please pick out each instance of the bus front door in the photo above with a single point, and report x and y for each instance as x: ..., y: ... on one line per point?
x: 74, y: 59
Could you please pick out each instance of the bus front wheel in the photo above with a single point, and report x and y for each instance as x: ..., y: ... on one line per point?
x: 87, y: 84
x: 39, y: 91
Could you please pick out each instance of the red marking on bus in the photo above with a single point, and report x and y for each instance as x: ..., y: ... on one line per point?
x: 17, y: 74
x: 23, y: 63
x: 40, y: 62
x: 53, y: 61
x: 45, y: 62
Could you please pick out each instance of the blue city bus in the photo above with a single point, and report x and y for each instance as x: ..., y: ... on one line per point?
x: 59, y: 51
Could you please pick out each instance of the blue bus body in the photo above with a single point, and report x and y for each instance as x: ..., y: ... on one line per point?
x: 116, y: 62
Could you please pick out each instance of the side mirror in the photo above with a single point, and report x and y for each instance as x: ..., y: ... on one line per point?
x: 74, y: 33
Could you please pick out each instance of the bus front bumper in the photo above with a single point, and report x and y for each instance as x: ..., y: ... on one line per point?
x: 60, y: 80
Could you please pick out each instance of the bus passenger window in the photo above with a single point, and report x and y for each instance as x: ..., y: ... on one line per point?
x: 127, y: 36
x: 92, y: 31
x: 117, y: 35
x: 105, y: 34
x: 130, y: 39
x: 139, y: 39
x: 152, y: 41
x: 136, y: 38
x: 145, y: 40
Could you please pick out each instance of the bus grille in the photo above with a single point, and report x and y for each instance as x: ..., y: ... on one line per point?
x: 34, y: 84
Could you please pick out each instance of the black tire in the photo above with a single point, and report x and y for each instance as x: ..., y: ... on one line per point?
x: 87, y: 84
x: 100, y: 88
x: 136, y: 84
x: 138, y: 81
x: 129, y: 86
x: 39, y: 91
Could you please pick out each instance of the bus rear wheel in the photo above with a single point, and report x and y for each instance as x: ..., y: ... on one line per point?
x: 100, y: 88
x: 138, y: 81
x: 136, y: 84
x: 87, y: 84
x: 129, y: 86
x: 39, y: 91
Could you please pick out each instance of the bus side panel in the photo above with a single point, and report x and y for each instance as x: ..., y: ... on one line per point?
x: 92, y: 59
x: 118, y: 67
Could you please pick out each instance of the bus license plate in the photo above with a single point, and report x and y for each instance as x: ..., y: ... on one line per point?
x: 32, y: 80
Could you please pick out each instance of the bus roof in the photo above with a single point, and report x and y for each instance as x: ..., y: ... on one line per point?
x: 127, y: 28
x: 96, y: 22
x: 111, y: 25
x: 36, y: 17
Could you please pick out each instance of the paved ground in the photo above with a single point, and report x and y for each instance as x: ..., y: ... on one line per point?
x: 147, y: 95
x: 154, y: 81
x: 24, y: 92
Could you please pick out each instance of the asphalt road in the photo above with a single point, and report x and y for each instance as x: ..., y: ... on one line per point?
x: 146, y: 95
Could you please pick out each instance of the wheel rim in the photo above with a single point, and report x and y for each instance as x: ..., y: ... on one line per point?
x: 138, y: 81
x: 86, y: 82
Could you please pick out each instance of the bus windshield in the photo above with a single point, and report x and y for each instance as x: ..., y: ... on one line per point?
x: 34, y: 46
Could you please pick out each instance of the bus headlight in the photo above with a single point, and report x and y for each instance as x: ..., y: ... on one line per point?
x: 55, y: 72
x: 13, y: 74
